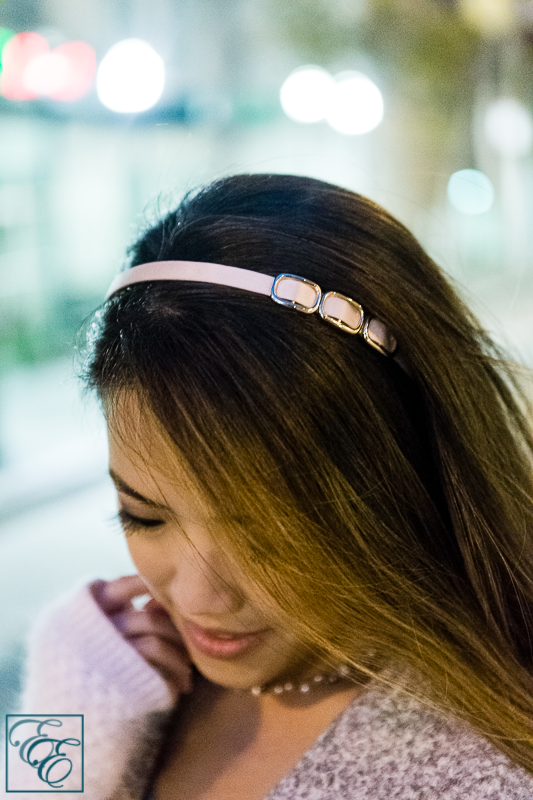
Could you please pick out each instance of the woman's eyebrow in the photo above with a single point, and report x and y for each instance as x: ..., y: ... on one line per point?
x: 123, y: 487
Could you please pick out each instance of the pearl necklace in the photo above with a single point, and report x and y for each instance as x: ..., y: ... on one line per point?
x: 305, y: 687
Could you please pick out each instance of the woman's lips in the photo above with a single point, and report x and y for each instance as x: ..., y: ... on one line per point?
x: 219, y: 644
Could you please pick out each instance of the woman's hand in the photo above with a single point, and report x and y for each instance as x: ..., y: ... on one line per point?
x: 149, y: 629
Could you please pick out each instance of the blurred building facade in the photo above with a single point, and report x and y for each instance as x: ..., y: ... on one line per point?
x: 74, y: 177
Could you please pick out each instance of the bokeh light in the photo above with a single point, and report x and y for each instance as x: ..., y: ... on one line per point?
x: 130, y: 77
x: 5, y: 35
x: 32, y: 71
x: 45, y: 73
x: 305, y: 94
x: 509, y: 127
x: 16, y: 55
x: 67, y: 73
x: 355, y: 105
x: 491, y: 17
x: 470, y: 191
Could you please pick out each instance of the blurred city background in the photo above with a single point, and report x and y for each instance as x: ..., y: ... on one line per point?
x: 111, y: 110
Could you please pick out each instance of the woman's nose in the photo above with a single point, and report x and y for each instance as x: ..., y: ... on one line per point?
x: 202, y: 586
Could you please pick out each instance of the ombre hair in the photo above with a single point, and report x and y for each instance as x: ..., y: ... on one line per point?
x: 384, y: 505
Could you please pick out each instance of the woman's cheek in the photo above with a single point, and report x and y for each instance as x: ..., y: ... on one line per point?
x: 152, y: 563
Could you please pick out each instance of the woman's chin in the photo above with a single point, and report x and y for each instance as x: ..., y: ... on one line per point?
x: 239, y: 675
x: 231, y: 676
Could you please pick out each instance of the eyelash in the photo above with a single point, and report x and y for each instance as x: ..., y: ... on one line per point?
x: 130, y: 523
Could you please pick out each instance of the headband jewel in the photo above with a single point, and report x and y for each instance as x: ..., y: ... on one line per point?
x: 288, y: 290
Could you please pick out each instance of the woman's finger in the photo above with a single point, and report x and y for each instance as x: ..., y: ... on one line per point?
x: 155, y: 608
x: 139, y: 623
x: 175, y: 670
x: 116, y: 595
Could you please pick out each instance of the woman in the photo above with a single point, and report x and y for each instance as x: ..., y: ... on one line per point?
x: 331, y: 511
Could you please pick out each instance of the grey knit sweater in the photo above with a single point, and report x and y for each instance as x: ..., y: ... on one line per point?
x: 386, y: 746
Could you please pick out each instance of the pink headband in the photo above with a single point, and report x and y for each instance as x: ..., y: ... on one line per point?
x: 288, y: 290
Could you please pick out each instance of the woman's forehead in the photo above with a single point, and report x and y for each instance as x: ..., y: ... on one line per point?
x: 140, y: 454
x: 136, y: 434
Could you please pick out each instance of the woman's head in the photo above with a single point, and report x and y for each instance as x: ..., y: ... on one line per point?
x: 381, y: 504
x: 176, y: 540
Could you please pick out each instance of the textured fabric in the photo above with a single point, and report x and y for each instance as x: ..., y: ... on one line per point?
x: 78, y: 663
x: 384, y: 746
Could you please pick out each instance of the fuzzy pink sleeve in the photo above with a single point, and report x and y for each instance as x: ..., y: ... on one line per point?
x: 80, y: 664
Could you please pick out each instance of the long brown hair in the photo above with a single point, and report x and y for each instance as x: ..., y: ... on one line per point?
x: 384, y: 505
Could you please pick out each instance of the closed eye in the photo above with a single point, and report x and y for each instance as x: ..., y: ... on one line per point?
x: 131, y: 523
